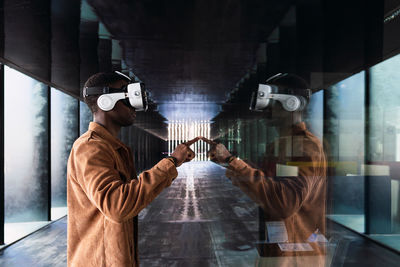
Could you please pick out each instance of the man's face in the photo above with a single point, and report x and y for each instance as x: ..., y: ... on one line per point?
x: 121, y: 114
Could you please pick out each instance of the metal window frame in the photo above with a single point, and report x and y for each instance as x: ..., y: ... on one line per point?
x: 2, y: 195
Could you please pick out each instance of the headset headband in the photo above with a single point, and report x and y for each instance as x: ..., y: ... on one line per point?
x: 291, y: 91
x: 89, y: 91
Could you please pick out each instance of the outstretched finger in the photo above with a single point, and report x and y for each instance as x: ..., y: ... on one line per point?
x: 191, y: 142
x: 208, y: 141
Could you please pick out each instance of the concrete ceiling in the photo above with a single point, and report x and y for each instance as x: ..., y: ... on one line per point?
x: 190, y: 54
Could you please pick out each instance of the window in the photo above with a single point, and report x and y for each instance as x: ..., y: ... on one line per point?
x: 314, y: 114
x: 344, y: 128
x: 64, y: 131
x: 85, y: 117
x: 26, y: 154
x: 384, y: 145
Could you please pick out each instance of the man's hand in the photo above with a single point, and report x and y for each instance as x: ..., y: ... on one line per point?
x: 218, y: 152
x: 183, y: 153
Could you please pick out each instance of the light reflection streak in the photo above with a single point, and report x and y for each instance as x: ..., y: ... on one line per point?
x: 182, y: 131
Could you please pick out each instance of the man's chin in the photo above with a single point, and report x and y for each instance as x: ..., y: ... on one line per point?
x: 128, y: 123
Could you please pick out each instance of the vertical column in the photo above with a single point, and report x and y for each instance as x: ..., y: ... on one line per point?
x: 169, y: 139
x: 208, y: 135
x: 178, y: 136
x: 204, y: 144
x: 2, y: 124
x: 186, y: 131
x: 172, y: 136
x: 180, y: 132
x: 2, y: 29
x: 2, y: 195
x: 197, y: 144
x: 175, y: 134
x: 201, y: 142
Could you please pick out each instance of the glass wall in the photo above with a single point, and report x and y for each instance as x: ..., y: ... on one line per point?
x: 28, y: 204
x: 314, y: 114
x: 344, y: 132
x: 64, y: 131
x: 25, y: 154
x: 41, y: 121
x: 85, y: 117
x: 384, y: 147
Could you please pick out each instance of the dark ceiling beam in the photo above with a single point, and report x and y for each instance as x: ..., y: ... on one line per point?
x: 65, y: 20
x: 353, y: 37
x: 27, y: 41
x: 104, y: 55
x: 88, y: 43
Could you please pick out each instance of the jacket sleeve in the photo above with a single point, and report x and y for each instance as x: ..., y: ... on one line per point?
x: 280, y: 197
x: 100, y: 180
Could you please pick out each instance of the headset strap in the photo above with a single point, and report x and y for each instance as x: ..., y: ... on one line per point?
x: 291, y: 91
x: 89, y: 91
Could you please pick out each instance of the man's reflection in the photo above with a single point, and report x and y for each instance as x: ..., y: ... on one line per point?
x: 294, y: 193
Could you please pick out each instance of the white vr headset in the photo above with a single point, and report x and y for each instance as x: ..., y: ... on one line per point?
x: 133, y: 95
x: 292, y: 100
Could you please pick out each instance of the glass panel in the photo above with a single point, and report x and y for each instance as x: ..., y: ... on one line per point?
x: 344, y: 133
x: 384, y: 150
x: 26, y: 154
x: 85, y: 117
x: 64, y: 131
x: 314, y: 114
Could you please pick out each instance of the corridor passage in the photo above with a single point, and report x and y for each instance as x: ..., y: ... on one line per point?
x: 200, y: 220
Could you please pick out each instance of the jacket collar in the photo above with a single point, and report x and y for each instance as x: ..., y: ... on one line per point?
x: 106, y: 135
x: 300, y: 127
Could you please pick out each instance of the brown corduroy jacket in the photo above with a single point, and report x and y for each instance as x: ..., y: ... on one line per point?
x: 298, y: 201
x: 104, y: 197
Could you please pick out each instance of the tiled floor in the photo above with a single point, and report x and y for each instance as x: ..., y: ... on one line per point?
x: 201, y: 220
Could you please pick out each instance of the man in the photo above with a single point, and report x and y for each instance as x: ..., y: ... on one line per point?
x: 104, y: 193
x: 296, y: 203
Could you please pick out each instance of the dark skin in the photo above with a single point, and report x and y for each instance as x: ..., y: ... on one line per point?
x: 122, y: 116
x: 218, y: 152
x: 183, y: 153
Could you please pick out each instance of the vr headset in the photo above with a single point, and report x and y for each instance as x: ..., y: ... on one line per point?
x: 291, y: 99
x: 132, y: 95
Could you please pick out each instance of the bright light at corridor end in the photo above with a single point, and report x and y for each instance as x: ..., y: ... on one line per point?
x: 182, y: 131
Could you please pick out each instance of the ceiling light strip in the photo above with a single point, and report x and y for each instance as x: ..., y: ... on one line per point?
x: 392, y: 16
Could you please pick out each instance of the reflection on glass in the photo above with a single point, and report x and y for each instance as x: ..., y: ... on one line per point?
x: 314, y: 114
x: 64, y: 131
x: 26, y: 154
x: 284, y: 173
x: 85, y: 117
x: 384, y: 147
x: 344, y: 132
x: 345, y: 122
